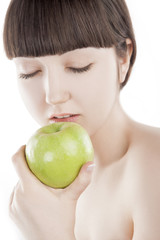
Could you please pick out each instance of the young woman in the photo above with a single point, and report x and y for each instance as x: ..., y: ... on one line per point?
x: 73, y: 57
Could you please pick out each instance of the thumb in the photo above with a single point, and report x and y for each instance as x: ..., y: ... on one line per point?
x: 75, y: 189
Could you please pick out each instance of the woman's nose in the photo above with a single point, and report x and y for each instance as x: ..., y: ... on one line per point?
x: 56, y: 92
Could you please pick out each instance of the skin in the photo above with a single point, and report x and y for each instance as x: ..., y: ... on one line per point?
x: 120, y: 196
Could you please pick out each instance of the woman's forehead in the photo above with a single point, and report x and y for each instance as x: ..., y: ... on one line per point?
x: 82, y: 52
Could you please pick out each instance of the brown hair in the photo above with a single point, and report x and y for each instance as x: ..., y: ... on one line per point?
x: 36, y: 28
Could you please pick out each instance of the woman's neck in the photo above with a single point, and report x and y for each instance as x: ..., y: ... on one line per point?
x: 112, y: 140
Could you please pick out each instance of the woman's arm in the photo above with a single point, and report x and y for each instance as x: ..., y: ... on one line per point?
x: 41, y: 212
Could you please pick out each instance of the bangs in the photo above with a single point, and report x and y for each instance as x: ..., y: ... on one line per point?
x: 35, y: 28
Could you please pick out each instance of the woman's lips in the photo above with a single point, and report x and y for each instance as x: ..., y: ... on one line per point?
x: 72, y: 118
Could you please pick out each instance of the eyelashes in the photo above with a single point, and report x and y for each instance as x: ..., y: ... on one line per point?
x: 81, y: 70
x: 73, y: 70
x: 26, y: 76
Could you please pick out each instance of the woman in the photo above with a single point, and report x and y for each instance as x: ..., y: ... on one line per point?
x: 73, y: 58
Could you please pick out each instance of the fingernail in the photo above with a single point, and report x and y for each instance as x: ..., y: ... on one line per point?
x: 90, y: 167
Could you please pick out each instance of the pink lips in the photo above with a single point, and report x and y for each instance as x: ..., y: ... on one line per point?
x: 63, y: 117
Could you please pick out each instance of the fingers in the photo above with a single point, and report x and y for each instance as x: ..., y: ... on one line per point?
x: 21, y: 167
x: 81, y: 182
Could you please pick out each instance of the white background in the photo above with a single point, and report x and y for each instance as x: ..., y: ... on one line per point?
x: 140, y: 98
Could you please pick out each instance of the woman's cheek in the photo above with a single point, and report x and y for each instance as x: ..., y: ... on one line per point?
x: 33, y: 97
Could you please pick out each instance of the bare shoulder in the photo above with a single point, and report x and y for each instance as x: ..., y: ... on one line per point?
x: 144, y: 141
x: 143, y: 180
x: 144, y: 150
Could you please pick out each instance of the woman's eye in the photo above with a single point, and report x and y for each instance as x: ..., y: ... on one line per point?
x: 74, y: 70
x: 26, y: 76
x: 80, y: 70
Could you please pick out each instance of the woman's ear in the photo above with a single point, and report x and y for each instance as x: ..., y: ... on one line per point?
x: 124, y: 62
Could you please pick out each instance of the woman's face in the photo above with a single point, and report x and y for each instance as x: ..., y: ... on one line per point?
x: 57, y: 87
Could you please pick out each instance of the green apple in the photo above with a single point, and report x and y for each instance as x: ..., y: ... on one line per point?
x: 56, y: 152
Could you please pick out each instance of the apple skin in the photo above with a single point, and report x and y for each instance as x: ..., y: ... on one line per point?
x: 56, y: 152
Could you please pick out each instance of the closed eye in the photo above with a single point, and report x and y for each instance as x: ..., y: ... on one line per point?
x: 26, y: 76
x: 74, y: 70
x: 81, y: 70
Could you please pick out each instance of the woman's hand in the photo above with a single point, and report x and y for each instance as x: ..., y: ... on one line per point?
x: 41, y: 212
